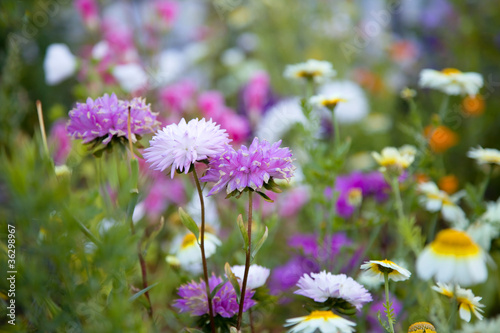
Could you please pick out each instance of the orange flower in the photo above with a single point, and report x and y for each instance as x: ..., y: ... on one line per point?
x: 421, y: 178
x: 440, y: 138
x: 368, y: 80
x: 448, y: 183
x: 473, y: 105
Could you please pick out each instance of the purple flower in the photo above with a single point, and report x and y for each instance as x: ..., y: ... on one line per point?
x: 194, y: 298
x: 60, y: 142
x: 249, y: 167
x: 286, y: 276
x: 308, y: 243
x: 106, y: 118
x: 180, y: 145
x: 372, y: 319
x: 322, y: 286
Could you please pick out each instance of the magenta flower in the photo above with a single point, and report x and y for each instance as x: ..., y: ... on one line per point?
x: 194, y: 298
x: 180, y: 145
x: 60, y: 142
x: 106, y: 118
x: 253, y: 167
x: 89, y: 12
x: 257, y: 93
x: 177, y: 97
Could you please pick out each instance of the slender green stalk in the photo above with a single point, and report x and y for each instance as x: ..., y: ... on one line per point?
x: 484, y: 186
x: 432, y: 226
x: 454, y: 310
x: 443, y: 110
x: 397, y: 197
x: 247, y: 262
x: 387, y: 302
x: 202, y: 247
x: 42, y: 127
x: 336, y: 132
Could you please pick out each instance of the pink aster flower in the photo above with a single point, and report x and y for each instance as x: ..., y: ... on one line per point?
x: 194, y: 298
x: 60, y: 142
x: 178, y: 96
x: 180, y: 145
x: 89, y: 12
x: 106, y: 118
x: 323, y: 286
x: 251, y: 167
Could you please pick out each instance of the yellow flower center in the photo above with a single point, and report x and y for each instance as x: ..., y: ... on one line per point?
x: 355, y: 197
x: 454, y: 242
x: 308, y: 74
x: 332, y: 102
x: 325, y: 315
x: 422, y: 327
x: 380, y: 268
x: 450, y: 71
x: 188, y: 241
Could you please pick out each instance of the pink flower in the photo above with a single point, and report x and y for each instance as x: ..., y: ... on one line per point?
x: 211, y: 103
x: 177, y: 97
x: 256, y: 93
x: 60, y: 142
x: 89, y: 12
x: 167, y: 10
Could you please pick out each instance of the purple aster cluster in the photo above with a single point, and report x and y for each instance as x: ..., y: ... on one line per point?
x: 194, y: 298
x: 324, y: 285
x: 369, y: 184
x: 251, y: 167
x: 105, y: 118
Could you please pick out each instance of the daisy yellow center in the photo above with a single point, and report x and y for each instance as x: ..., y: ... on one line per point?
x: 332, y: 102
x: 449, y: 71
x: 422, y: 327
x: 386, y: 161
x: 454, y: 242
x: 381, y: 268
x: 308, y: 74
x: 188, y: 241
x: 325, y: 315
x: 446, y: 292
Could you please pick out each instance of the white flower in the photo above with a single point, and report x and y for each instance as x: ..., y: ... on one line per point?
x: 131, y: 77
x: 59, y: 64
x: 487, y: 227
x: 180, y: 145
x: 329, y: 102
x: 451, y: 81
x: 395, y: 159
x: 100, y: 50
x: 312, y: 69
x: 468, y: 303
x: 378, y: 268
x: 354, y: 108
x: 257, y: 275
x: 320, y: 321
x: 485, y: 155
x: 188, y: 252
x: 435, y: 200
x: 453, y: 257
x: 279, y: 119
x: 322, y: 286
x: 484, y: 326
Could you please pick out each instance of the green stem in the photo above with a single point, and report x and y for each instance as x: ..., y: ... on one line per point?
x: 484, y: 186
x: 443, y: 110
x: 102, y: 186
x: 432, y: 227
x: 387, y: 302
x: 336, y: 132
x: 397, y: 197
x: 454, y: 310
x: 202, y: 247
x: 247, y: 262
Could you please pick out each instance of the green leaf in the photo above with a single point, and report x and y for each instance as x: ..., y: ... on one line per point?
x: 264, y: 196
x: 243, y: 230
x: 134, y: 166
x: 382, y: 323
x: 259, y: 244
x: 233, y: 279
x: 217, y: 288
x: 143, y: 291
x: 193, y: 330
x: 189, y: 222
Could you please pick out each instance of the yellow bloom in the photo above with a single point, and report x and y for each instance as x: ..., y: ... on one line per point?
x: 393, y: 159
x: 320, y: 321
x: 422, y: 327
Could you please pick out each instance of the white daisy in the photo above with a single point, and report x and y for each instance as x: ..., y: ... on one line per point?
x: 453, y: 257
x: 378, y: 268
x: 131, y: 76
x: 468, y: 303
x: 485, y: 155
x: 188, y: 252
x: 393, y: 159
x: 257, y: 275
x: 180, y: 145
x: 484, y: 326
x: 355, y: 106
x: 59, y: 64
x: 451, y: 81
x: 322, y: 321
x: 312, y: 69
x: 435, y: 200
x: 329, y: 102
x: 487, y: 227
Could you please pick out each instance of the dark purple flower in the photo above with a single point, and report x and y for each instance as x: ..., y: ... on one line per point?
x: 286, y: 276
x: 106, y: 117
x: 250, y: 167
x: 194, y: 298
x: 331, y: 246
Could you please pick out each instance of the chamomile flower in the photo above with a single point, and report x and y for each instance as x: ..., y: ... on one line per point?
x: 315, y: 70
x: 257, y: 275
x: 394, y: 159
x: 329, y: 102
x: 187, y: 250
x: 378, y: 268
x: 451, y: 81
x: 435, y: 200
x: 320, y: 321
x: 485, y: 155
x: 453, y: 257
x: 422, y: 327
x: 484, y: 326
x: 487, y: 226
x: 468, y: 303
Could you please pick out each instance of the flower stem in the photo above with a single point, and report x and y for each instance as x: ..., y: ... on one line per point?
x: 42, y: 127
x: 484, y: 186
x: 397, y: 197
x: 336, y: 132
x: 247, y: 262
x: 202, y: 247
x: 387, y: 302
x: 443, y: 110
x: 454, y: 310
